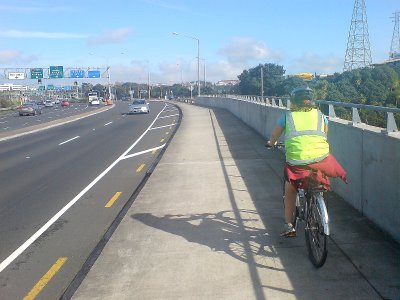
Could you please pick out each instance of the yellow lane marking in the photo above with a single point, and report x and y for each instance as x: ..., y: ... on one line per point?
x: 45, y: 279
x: 113, y: 199
x: 140, y: 168
x: 162, y: 140
x: 167, y: 133
x: 154, y: 151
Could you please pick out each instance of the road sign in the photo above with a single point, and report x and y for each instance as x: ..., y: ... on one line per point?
x: 50, y: 87
x: 77, y: 74
x: 67, y: 88
x: 41, y: 88
x: 36, y: 73
x: 56, y: 72
x: 16, y: 75
x: 93, y: 74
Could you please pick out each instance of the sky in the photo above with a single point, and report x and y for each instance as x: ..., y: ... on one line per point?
x: 135, y: 38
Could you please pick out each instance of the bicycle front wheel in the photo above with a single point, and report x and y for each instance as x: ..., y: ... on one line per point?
x: 315, y: 237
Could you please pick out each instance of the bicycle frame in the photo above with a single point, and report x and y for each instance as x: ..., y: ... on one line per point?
x: 317, y: 193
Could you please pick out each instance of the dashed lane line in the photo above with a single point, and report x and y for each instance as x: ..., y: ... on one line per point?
x: 113, y: 199
x: 39, y: 286
x: 74, y: 138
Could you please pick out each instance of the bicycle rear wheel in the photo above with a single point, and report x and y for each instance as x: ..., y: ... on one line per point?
x: 315, y: 237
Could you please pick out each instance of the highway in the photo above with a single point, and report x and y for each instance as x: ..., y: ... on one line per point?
x: 11, y: 120
x: 62, y: 188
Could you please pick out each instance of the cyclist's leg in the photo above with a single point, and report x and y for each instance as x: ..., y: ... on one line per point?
x: 290, y: 202
x: 290, y: 208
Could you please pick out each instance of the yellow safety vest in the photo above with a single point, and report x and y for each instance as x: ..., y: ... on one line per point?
x: 305, y: 137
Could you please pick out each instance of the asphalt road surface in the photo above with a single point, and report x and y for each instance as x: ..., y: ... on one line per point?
x: 11, y: 120
x: 62, y: 188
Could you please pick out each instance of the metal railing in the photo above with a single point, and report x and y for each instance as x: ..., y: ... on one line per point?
x: 391, y: 125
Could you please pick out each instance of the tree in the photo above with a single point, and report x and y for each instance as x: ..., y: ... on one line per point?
x: 250, y: 80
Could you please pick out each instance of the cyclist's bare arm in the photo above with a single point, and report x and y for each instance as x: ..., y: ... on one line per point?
x: 276, y: 133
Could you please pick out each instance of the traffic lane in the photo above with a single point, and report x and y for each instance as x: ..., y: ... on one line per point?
x: 64, y: 168
x: 73, y: 236
x: 96, y: 210
x: 29, y: 145
x: 12, y: 121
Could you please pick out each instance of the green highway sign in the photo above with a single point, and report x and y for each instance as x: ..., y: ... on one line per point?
x: 50, y: 87
x: 56, y: 72
x: 36, y: 73
x: 41, y: 88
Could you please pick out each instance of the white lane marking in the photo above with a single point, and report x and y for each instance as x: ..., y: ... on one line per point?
x: 143, y: 152
x: 108, y: 123
x: 69, y: 140
x: 169, y: 116
x: 50, y: 222
x: 3, y: 122
x: 162, y: 126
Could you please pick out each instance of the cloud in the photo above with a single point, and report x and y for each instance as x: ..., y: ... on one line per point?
x: 241, y: 50
x: 312, y: 62
x: 41, y: 35
x: 10, y: 57
x: 110, y: 36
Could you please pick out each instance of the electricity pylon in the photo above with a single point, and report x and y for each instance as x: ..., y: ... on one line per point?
x: 358, y: 52
x: 395, y: 45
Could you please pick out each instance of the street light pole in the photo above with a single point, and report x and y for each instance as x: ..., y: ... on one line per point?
x: 198, y: 58
x: 109, y: 82
x: 148, y: 80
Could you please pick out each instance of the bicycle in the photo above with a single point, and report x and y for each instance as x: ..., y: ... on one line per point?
x: 312, y: 211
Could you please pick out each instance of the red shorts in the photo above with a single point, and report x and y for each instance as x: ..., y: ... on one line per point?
x: 319, y: 172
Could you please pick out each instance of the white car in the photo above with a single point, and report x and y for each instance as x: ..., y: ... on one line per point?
x: 48, y: 103
x: 95, y: 102
x: 139, y: 106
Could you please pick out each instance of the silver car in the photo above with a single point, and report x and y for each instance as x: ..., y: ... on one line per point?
x: 139, y: 106
x: 30, y: 108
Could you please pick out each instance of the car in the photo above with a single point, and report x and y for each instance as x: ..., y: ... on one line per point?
x: 139, y: 106
x: 95, y: 102
x: 57, y: 101
x: 48, y: 103
x: 29, y: 108
x: 65, y: 103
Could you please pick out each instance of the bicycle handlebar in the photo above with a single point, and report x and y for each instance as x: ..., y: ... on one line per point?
x: 277, y: 145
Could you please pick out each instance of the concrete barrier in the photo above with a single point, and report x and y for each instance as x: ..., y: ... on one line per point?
x: 370, y: 157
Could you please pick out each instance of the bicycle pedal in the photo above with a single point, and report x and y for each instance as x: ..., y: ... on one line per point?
x: 290, y: 234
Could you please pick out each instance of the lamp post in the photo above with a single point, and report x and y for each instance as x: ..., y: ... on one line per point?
x: 180, y: 69
x: 148, y: 79
x: 204, y: 70
x: 198, y: 58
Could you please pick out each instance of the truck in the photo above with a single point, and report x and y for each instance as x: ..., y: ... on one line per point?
x: 93, y: 98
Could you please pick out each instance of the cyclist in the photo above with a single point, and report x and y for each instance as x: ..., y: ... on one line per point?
x: 305, y: 131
